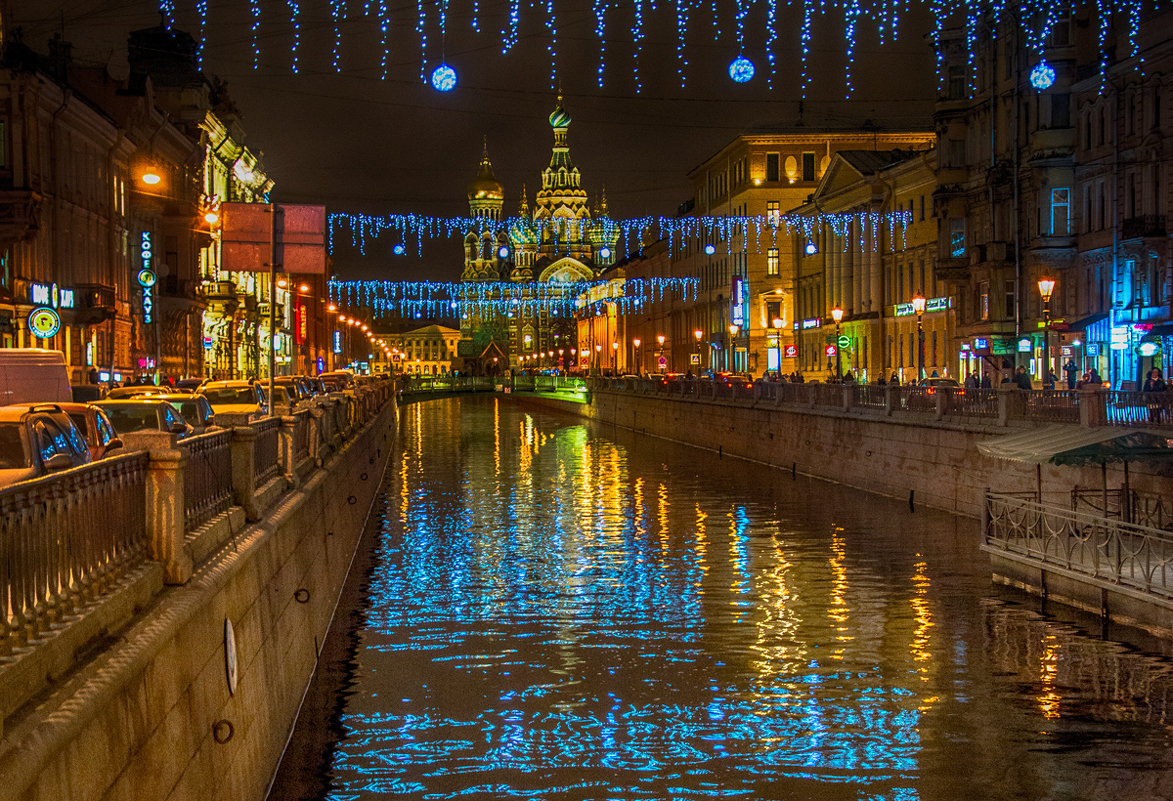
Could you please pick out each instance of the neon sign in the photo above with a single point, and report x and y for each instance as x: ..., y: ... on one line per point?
x: 147, y: 279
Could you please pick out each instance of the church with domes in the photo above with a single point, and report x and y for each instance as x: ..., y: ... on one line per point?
x: 558, y: 243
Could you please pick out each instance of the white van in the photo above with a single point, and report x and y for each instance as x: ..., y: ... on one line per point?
x: 33, y: 375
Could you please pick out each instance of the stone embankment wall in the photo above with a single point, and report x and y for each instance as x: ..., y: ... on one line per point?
x: 152, y: 716
x: 933, y: 463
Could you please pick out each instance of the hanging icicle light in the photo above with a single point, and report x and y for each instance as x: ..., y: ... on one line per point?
x: 443, y: 78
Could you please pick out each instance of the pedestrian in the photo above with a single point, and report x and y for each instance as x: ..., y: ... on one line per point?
x: 881, y: 381
x: 1051, y: 380
x: 1022, y: 379
x: 971, y: 380
x: 1093, y: 377
x: 1071, y: 372
x: 92, y: 375
x: 894, y: 380
x: 987, y: 382
x: 1153, y: 384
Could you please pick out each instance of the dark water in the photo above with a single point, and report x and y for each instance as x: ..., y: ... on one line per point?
x: 548, y: 610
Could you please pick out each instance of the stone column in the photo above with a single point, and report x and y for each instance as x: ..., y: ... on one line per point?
x: 166, y: 502
x: 1011, y: 403
x: 244, y: 479
x: 1093, y: 410
x: 286, y: 435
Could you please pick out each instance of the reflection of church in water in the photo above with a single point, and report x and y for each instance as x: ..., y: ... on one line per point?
x: 560, y: 242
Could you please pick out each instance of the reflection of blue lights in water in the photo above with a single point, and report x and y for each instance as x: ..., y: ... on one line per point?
x: 533, y: 639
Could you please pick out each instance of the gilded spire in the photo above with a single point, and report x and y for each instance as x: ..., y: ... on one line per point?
x: 523, y: 207
x: 602, y: 209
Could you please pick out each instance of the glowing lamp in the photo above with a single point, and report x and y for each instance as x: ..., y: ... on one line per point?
x: 710, y: 250
x: 837, y: 315
x: 660, y: 339
x: 918, y: 304
x: 211, y: 218
x: 443, y: 78
x: 151, y: 178
x: 1046, y: 287
x: 605, y: 253
x: 777, y: 321
x: 635, y: 342
x: 741, y: 69
x: 1042, y: 76
x: 698, y: 334
x: 811, y: 248
x: 503, y: 252
x: 398, y: 250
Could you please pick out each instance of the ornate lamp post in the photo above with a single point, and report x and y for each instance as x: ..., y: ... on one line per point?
x: 614, y: 357
x: 698, y: 334
x: 660, y: 338
x: 635, y: 355
x: 1046, y: 287
x: 598, y: 357
x: 837, y: 316
x: 777, y: 321
x: 732, y: 360
x: 918, y: 306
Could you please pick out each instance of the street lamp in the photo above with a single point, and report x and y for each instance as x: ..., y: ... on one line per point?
x: 732, y: 357
x: 635, y: 355
x: 1046, y: 287
x: 598, y: 357
x: 777, y: 321
x: 660, y: 353
x: 698, y: 334
x: 918, y: 306
x: 615, y: 357
x: 837, y: 316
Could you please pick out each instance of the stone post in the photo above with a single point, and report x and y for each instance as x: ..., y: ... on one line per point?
x: 1011, y: 403
x: 848, y: 396
x: 244, y: 479
x: 943, y: 397
x: 1093, y: 408
x: 166, y: 503
x: 891, y: 399
x: 315, y: 435
x: 286, y: 435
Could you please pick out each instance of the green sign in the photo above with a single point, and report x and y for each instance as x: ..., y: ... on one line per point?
x: 844, y: 341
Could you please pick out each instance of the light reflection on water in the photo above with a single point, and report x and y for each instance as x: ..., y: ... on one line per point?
x: 564, y: 612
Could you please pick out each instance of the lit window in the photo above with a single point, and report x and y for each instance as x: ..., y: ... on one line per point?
x: 1060, y: 211
x: 957, y: 237
x: 772, y: 261
x: 773, y: 212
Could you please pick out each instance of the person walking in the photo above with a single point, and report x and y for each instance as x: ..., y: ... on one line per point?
x: 987, y: 382
x: 1022, y: 379
x: 1154, y: 384
x: 1072, y: 373
x: 971, y: 380
x: 894, y: 380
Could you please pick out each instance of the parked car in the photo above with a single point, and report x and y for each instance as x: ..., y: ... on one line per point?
x: 236, y: 397
x: 337, y: 381
x: 37, y: 440
x: 144, y: 414
x: 196, y: 410
x: 33, y: 375
x: 190, y: 384
x: 136, y: 391
x: 101, y: 436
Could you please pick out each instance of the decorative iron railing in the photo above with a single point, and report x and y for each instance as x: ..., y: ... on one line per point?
x: 207, y: 478
x: 1105, y: 549
x: 266, y: 452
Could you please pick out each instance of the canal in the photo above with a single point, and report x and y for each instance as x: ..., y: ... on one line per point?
x: 547, y: 609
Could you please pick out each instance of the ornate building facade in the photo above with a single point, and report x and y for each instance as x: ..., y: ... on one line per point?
x: 560, y: 242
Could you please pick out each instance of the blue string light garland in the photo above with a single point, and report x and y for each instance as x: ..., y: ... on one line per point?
x: 854, y: 228
x: 432, y: 299
x: 1035, y: 18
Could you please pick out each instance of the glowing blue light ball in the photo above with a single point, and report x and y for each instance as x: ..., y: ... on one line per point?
x: 398, y: 250
x: 710, y: 250
x: 605, y: 253
x: 1042, y: 77
x: 811, y: 248
x: 443, y: 78
x: 741, y: 69
x: 503, y: 252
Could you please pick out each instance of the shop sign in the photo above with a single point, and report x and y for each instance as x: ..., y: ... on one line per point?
x: 51, y: 295
x: 791, y: 351
x: 931, y: 305
x: 1147, y: 349
x: 831, y: 350
x: 1093, y: 349
x: 981, y: 343
x: 1025, y: 345
x: 844, y: 341
x: 337, y: 341
x: 813, y: 322
x: 147, y: 278
x: 1119, y: 338
x: 44, y: 322
x: 1002, y: 347
x: 737, y: 313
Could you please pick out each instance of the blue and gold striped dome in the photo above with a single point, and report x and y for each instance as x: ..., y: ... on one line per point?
x: 559, y: 119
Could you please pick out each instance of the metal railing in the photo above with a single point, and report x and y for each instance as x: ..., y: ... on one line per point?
x: 1140, y: 409
x: 207, y: 478
x: 65, y: 539
x: 1107, y: 550
x: 1052, y: 405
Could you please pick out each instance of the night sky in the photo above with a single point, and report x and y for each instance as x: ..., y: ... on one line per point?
x: 359, y: 143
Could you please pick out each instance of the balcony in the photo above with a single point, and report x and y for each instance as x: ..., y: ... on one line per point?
x: 19, y: 212
x: 1144, y: 226
x: 953, y: 269
x: 221, y: 297
x: 93, y: 303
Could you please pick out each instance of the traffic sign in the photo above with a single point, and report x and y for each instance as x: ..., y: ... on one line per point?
x: 830, y: 349
x: 694, y: 358
x: 662, y: 361
x: 844, y: 341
